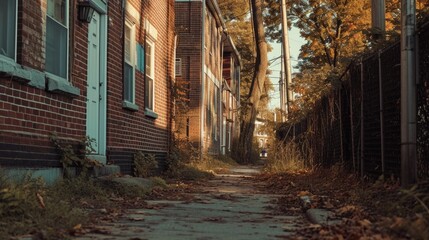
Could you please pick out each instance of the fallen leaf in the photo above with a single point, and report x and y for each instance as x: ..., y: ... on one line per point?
x: 365, y: 223
x: 40, y: 200
x: 77, y: 227
x: 304, y: 193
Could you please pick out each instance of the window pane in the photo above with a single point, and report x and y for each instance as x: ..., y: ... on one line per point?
x: 56, y: 48
x: 128, y: 83
x: 57, y: 10
x: 127, y: 44
x: 7, y: 27
x: 149, y: 60
x: 148, y: 98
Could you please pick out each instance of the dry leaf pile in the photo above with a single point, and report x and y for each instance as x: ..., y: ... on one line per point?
x: 380, y: 210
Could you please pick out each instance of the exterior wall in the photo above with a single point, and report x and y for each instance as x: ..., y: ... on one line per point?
x: 213, y: 49
x: 30, y: 108
x: 203, y: 77
x: 34, y: 105
x: 189, y: 30
x: 131, y: 130
x: 231, y: 99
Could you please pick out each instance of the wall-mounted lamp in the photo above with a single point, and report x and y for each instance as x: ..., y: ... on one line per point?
x: 85, y: 11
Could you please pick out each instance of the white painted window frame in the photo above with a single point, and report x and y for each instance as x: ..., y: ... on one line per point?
x: 67, y: 26
x: 178, y: 67
x: 15, y: 37
x: 151, y: 74
x: 132, y: 61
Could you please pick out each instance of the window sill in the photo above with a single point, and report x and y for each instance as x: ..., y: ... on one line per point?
x: 150, y: 113
x: 61, y: 85
x: 130, y: 106
x: 29, y: 76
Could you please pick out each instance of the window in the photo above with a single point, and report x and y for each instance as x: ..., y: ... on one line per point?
x: 230, y: 106
x: 229, y: 137
x: 56, y: 61
x: 150, y: 74
x: 178, y: 67
x: 215, y: 111
x: 129, y: 62
x: 8, y: 28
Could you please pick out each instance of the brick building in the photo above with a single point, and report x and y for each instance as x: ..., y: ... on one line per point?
x: 108, y: 79
x: 230, y: 95
x: 139, y: 116
x: 203, y: 44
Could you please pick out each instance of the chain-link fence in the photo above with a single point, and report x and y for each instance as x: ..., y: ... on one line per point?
x: 358, y: 124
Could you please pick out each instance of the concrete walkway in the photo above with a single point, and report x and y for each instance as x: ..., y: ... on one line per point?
x: 231, y: 206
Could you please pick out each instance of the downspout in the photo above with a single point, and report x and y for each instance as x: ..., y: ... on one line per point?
x: 124, y: 3
x: 220, y: 115
x: 169, y: 83
x: 72, y: 41
x: 203, y: 52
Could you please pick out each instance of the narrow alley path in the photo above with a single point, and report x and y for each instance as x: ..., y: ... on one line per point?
x: 231, y: 206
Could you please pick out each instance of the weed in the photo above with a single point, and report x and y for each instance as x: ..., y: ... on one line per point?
x: 213, y: 163
x: 158, y: 182
x: 145, y: 165
x: 421, y: 195
x: 191, y: 173
x: 28, y: 206
x: 283, y: 157
x: 122, y: 190
x: 80, y: 188
x: 75, y: 156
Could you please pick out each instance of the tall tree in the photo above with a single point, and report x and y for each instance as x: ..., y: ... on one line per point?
x: 249, y: 111
x: 334, y: 31
x: 239, y: 24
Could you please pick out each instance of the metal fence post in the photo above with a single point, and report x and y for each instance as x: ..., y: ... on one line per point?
x: 380, y: 84
x: 340, y: 111
x: 352, y: 126
x: 408, y: 93
x: 362, y: 172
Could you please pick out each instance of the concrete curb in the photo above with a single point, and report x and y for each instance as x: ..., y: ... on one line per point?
x: 321, y: 216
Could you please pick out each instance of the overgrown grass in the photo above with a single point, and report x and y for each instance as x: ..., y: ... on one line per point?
x: 213, y: 163
x: 29, y: 206
x: 204, y: 168
x: 284, y: 157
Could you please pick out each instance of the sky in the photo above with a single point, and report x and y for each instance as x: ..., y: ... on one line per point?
x: 295, y: 42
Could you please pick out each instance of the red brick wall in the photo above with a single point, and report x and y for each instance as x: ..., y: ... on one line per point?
x: 129, y: 131
x: 190, y: 30
x: 188, y: 27
x: 28, y: 115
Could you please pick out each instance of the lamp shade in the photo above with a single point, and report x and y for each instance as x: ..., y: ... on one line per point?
x: 85, y: 11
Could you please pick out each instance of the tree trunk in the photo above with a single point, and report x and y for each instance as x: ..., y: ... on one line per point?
x: 244, y: 149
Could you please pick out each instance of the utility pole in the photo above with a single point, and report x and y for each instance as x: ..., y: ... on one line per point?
x: 286, y: 57
x: 408, y: 93
x: 378, y: 9
x: 282, y: 94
